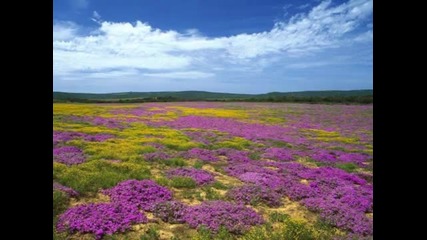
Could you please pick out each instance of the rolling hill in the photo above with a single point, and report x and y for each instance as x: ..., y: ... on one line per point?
x: 202, y: 95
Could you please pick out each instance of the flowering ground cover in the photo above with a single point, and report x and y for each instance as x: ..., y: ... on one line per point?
x: 204, y: 170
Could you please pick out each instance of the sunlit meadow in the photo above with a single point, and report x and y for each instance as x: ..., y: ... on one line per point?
x: 204, y: 170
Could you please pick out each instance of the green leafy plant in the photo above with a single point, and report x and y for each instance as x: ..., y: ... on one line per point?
x: 278, y: 217
x: 183, y: 182
x: 211, y: 194
x: 151, y: 234
x: 60, y: 202
x: 175, y: 162
x: 348, y: 167
x: 198, y: 164
x: 219, y: 185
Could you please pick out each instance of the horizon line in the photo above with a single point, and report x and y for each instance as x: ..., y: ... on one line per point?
x: 367, y: 89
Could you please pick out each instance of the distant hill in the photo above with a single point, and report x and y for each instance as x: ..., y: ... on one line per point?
x: 201, y: 95
x: 188, y: 95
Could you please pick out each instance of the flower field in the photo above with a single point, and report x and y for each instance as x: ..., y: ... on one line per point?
x: 211, y: 170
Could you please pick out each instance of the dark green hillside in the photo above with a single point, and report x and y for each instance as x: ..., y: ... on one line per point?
x: 353, y: 96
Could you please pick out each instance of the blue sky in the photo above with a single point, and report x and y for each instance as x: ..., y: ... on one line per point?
x: 241, y: 46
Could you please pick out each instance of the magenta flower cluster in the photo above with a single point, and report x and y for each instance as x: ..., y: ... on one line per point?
x: 100, y: 218
x: 68, y: 155
x: 253, y: 173
x: 202, y: 154
x: 60, y: 137
x: 170, y: 211
x: 254, y: 194
x: 279, y: 154
x: 98, y: 121
x: 144, y: 194
x: 237, y: 169
x: 341, y: 198
x: 235, y: 218
x: 157, y: 156
x: 327, y: 189
x: 98, y: 137
x: 201, y: 177
x: 338, y: 213
x: 69, y: 191
x: 262, y: 179
x: 204, y: 137
x: 234, y: 156
x: 330, y: 156
x: 249, y: 131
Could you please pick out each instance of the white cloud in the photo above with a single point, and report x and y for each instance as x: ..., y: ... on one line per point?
x: 181, y: 75
x: 285, y: 9
x: 63, y: 31
x: 84, y: 76
x: 96, y: 17
x: 193, y: 32
x: 365, y: 37
x: 142, y: 48
x: 304, y: 6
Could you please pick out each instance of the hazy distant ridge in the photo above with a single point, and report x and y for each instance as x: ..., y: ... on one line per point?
x: 202, y: 95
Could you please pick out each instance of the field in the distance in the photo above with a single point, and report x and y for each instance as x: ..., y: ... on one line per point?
x: 200, y: 170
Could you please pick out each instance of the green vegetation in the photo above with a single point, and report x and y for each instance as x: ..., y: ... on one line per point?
x: 174, y: 162
x: 182, y: 182
x: 353, y: 96
x: 163, y: 181
x: 198, y: 164
x: 219, y: 185
x: 204, y: 234
x: 151, y: 234
x: 211, y: 194
x: 91, y: 176
x: 290, y: 229
x: 297, y: 230
x: 278, y: 217
x: 60, y: 202
x: 348, y: 167
x: 192, y: 194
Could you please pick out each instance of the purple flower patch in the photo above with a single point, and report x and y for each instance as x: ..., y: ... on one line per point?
x: 214, y: 214
x: 202, y: 154
x: 60, y: 137
x: 144, y: 194
x: 253, y: 194
x: 98, y: 137
x: 234, y: 156
x: 100, y: 219
x: 170, y: 211
x: 201, y: 177
x: 69, y: 191
x: 279, y: 154
x: 68, y: 155
x: 156, y: 156
x: 271, y: 181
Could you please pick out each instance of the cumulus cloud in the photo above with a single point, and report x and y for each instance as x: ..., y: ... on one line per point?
x: 190, y: 54
x: 63, y: 31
